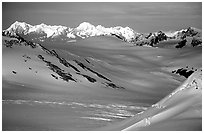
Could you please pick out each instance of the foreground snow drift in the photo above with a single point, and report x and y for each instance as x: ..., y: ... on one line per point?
x: 180, y: 110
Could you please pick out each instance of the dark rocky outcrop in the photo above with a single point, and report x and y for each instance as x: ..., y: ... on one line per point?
x: 33, y: 45
x: 67, y: 64
x: 90, y: 79
x: 61, y: 60
x: 19, y: 41
x: 190, y: 32
x: 63, y: 75
x: 196, y: 42
x: 54, y: 76
x: 114, y: 86
x: 10, y: 43
x: 14, y: 72
x: 151, y: 39
x: 87, y: 61
x: 161, y: 36
x: 181, y: 44
x: 184, y: 72
x: 87, y: 68
x: 41, y: 57
x: 56, y: 69
x: 119, y: 36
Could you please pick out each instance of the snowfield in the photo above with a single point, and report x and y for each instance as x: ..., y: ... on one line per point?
x: 97, y: 78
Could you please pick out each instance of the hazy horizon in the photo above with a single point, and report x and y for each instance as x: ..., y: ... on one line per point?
x: 140, y: 16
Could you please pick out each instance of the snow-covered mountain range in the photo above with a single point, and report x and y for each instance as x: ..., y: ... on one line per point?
x: 44, y: 32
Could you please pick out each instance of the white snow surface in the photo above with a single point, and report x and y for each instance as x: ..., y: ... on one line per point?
x: 85, y: 30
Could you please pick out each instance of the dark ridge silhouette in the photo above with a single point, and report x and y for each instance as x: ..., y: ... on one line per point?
x: 53, y: 52
x: 112, y: 85
x: 147, y: 37
x: 33, y: 45
x: 61, y: 60
x: 118, y: 36
x: 46, y: 50
x: 99, y: 75
x: 88, y: 61
x: 41, y: 57
x: 56, y: 69
x: 90, y: 79
x: 87, y: 68
x: 67, y: 64
x: 54, y: 76
x: 81, y: 64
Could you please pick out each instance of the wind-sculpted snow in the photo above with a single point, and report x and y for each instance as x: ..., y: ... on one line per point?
x: 100, y: 112
x: 183, y: 104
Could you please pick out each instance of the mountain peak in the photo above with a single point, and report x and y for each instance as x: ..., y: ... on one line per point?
x: 85, y: 26
x: 86, y: 23
x: 19, y: 27
x: 86, y: 29
x: 43, y: 25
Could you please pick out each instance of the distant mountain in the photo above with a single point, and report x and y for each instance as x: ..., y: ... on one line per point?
x: 83, y: 30
x: 190, y: 36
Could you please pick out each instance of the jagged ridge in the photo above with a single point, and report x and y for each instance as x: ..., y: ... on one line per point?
x: 86, y: 29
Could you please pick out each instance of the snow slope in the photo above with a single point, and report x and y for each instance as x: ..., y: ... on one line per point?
x: 180, y: 110
x: 86, y: 86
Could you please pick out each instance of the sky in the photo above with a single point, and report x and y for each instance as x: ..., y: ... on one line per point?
x: 142, y: 17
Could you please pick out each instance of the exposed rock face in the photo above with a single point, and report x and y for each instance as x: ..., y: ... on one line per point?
x: 186, y: 72
x: 181, y: 44
x: 196, y: 42
x: 59, y: 71
x: 14, y: 72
